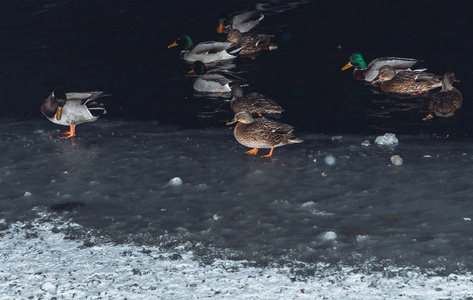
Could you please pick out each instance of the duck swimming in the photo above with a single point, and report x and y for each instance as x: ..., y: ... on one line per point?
x: 213, y: 81
x: 261, y: 133
x: 244, y: 22
x: 447, y: 101
x: 254, y: 103
x: 252, y: 43
x: 206, y: 51
x: 406, y: 82
x: 71, y: 109
x: 368, y: 72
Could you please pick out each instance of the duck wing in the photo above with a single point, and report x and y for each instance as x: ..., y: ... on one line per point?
x: 246, y: 21
x: 261, y: 101
x: 398, y: 63
x: 86, y: 96
x: 212, y: 47
x: 276, y: 127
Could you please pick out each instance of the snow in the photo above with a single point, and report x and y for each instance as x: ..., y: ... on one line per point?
x: 39, y: 262
x: 387, y: 139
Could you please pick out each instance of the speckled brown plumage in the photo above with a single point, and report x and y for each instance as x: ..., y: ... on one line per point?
x: 252, y: 43
x: 254, y: 103
x: 262, y: 133
x: 448, y: 100
x: 406, y: 82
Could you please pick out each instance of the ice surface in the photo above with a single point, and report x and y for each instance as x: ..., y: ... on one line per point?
x: 387, y: 139
x: 363, y: 223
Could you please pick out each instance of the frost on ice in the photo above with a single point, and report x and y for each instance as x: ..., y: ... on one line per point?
x: 387, y: 139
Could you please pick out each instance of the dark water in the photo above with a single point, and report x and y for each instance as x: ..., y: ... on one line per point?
x: 121, y: 48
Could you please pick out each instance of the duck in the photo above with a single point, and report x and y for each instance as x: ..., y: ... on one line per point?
x: 71, y: 109
x: 406, y: 82
x: 206, y: 52
x: 445, y: 102
x: 254, y: 103
x: 262, y: 133
x: 368, y: 73
x: 244, y: 22
x: 213, y: 81
x: 252, y: 43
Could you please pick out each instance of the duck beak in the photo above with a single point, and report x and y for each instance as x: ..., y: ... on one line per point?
x: 172, y: 45
x: 376, y: 79
x: 232, y: 121
x: 347, y: 66
x: 59, y: 113
x: 220, y: 28
x: 191, y: 71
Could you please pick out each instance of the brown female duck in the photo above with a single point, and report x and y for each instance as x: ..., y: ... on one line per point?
x: 447, y: 101
x: 406, y: 82
x: 261, y: 133
x: 254, y: 103
x: 252, y: 43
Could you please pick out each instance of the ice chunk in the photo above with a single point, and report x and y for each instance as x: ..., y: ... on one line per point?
x: 175, y: 181
x: 365, y: 143
x: 397, y: 160
x: 329, y: 235
x: 387, y: 139
x: 27, y: 194
x: 49, y: 287
x: 337, y: 137
x: 330, y: 160
x: 467, y: 219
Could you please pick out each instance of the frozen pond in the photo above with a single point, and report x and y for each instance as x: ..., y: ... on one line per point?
x: 332, y: 201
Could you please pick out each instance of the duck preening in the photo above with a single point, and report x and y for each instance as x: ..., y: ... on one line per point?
x: 71, y: 109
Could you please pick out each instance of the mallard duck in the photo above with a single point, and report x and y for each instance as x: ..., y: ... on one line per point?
x: 254, y: 103
x: 206, y: 51
x: 261, y: 133
x: 406, y: 82
x: 252, y: 43
x: 447, y: 101
x: 213, y: 81
x: 243, y: 21
x: 71, y: 109
x: 368, y: 73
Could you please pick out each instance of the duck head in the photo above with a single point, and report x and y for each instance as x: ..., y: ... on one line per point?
x: 243, y: 117
x: 237, y: 91
x: 198, y: 68
x: 385, y: 73
x: 234, y: 36
x: 222, y: 22
x: 448, y: 80
x: 183, y: 41
x: 60, y: 98
x: 357, y: 61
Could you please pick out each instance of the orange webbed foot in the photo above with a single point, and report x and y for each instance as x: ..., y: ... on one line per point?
x: 253, y: 151
x: 70, y: 133
x: 270, y: 153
